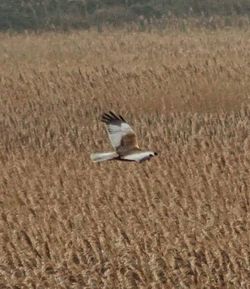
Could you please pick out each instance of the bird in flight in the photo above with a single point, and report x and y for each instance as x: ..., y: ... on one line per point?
x: 123, y: 140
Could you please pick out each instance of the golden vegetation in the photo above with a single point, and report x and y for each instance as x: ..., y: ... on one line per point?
x: 178, y: 221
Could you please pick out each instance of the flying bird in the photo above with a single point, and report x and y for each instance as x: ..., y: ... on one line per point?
x: 123, y: 140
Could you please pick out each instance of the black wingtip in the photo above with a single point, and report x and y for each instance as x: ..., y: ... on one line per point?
x: 111, y: 116
x: 105, y: 117
x: 121, y: 118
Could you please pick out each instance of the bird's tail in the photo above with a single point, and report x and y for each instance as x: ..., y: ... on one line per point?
x: 100, y: 157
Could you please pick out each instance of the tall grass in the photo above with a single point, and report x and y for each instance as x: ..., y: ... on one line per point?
x: 179, y: 221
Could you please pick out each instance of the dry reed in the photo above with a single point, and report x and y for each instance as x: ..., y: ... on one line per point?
x: 179, y: 221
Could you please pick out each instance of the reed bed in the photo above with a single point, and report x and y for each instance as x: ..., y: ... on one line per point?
x: 178, y: 221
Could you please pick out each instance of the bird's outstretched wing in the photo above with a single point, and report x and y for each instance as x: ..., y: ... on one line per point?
x: 121, y: 135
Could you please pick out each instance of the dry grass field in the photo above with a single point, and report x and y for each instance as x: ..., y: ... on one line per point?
x: 178, y: 221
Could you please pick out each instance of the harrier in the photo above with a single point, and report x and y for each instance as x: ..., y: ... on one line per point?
x: 123, y: 140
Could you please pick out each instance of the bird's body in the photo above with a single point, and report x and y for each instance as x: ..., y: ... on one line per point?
x: 123, y: 140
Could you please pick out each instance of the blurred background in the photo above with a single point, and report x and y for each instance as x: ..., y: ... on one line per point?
x: 78, y: 14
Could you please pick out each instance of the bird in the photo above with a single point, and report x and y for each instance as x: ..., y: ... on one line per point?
x: 123, y: 140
